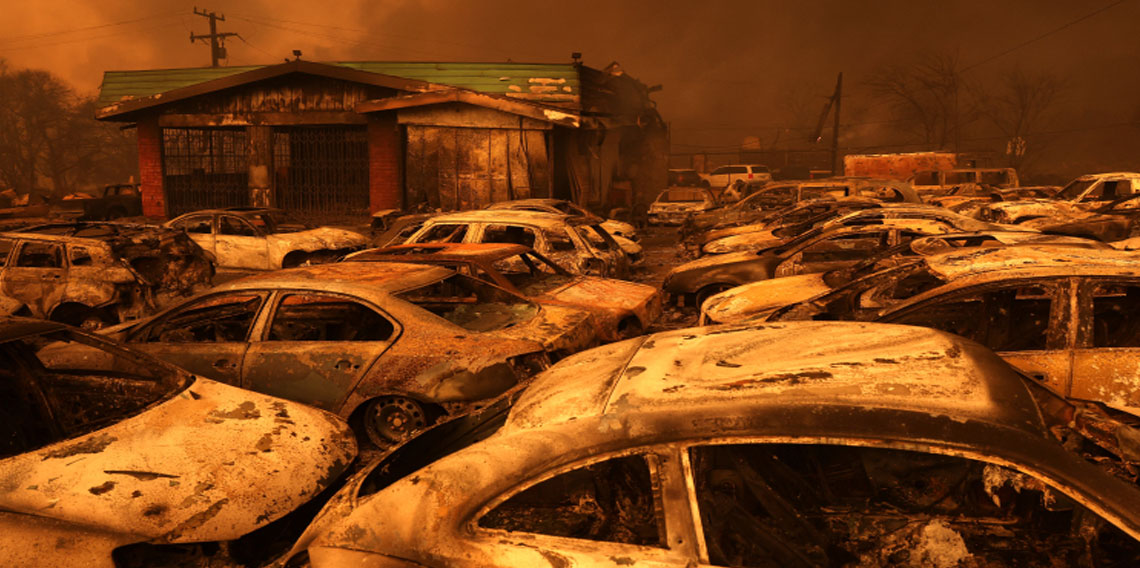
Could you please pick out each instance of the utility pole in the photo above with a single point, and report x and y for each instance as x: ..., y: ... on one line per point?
x: 837, y: 97
x: 217, y: 40
x: 832, y: 102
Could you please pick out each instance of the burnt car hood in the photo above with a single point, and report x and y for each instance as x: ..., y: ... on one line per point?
x: 750, y: 300
x: 557, y: 328
x: 749, y: 241
x: 211, y: 463
x: 605, y: 293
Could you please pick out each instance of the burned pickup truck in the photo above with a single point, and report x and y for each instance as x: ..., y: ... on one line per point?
x: 93, y: 274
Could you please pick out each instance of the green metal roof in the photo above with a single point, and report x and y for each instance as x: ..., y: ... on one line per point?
x: 544, y: 82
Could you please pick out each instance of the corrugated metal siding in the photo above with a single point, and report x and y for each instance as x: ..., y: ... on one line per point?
x: 554, y: 83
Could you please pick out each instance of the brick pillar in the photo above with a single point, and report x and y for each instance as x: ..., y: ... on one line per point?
x: 261, y: 166
x: 385, y: 158
x: 150, y: 167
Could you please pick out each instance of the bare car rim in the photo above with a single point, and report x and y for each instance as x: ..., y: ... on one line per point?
x: 392, y: 419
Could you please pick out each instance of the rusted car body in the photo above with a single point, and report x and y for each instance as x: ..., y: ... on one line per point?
x: 621, y: 309
x: 753, y: 300
x: 578, y: 244
x: 675, y: 204
x: 942, y: 182
x: 819, y: 250
x: 1060, y: 314
x: 786, y: 221
x: 765, y: 239
x: 565, y: 207
x: 753, y: 207
x: 777, y: 446
x: 1085, y: 193
x: 105, y: 453
x: 258, y: 238
x: 92, y: 274
x: 391, y: 348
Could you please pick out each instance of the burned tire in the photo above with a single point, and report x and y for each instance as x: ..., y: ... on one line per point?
x: 389, y: 420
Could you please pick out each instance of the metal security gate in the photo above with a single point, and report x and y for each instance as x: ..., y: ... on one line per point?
x: 204, y: 168
x: 321, y: 171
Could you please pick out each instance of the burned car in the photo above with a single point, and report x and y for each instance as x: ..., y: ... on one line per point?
x: 752, y: 207
x: 676, y: 204
x: 579, y: 244
x: 1061, y: 314
x: 621, y: 309
x: 566, y: 207
x: 390, y: 348
x: 764, y: 239
x: 753, y: 300
x: 256, y: 238
x: 1086, y: 193
x: 94, y: 274
x: 110, y: 457
x: 819, y: 250
x: 811, y: 444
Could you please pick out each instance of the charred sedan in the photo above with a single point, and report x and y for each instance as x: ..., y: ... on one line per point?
x: 818, y: 250
x: 93, y: 274
x: 392, y: 347
x: 1063, y: 315
x: 110, y: 457
x: 579, y: 244
x: 776, y: 446
x: 622, y: 309
x: 260, y: 239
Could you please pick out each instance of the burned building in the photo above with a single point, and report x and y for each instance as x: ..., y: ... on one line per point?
x: 343, y: 139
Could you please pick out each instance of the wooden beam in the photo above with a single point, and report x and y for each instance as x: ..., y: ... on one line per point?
x: 261, y: 119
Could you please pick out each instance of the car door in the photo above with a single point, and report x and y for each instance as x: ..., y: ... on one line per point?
x: 200, y: 228
x: 208, y: 336
x: 316, y: 346
x: 1027, y: 322
x: 36, y: 277
x: 835, y: 251
x: 608, y: 512
x: 1106, y: 359
x: 241, y: 245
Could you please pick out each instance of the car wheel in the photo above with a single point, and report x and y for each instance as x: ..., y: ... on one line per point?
x: 393, y: 419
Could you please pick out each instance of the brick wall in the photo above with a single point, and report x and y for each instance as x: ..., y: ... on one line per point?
x: 385, y: 157
x: 150, y: 167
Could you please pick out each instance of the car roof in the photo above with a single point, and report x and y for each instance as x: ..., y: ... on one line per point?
x: 876, y: 366
x: 343, y: 277
x: 443, y: 251
x: 239, y: 211
x: 12, y: 328
x: 538, y: 218
x: 1108, y: 176
x: 531, y: 201
x: 1042, y: 259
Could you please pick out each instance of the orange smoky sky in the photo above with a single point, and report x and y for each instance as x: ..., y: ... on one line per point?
x: 728, y: 68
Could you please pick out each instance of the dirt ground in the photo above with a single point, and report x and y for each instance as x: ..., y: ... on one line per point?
x: 662, y: 251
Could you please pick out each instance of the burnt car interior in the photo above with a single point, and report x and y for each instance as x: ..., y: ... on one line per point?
x: 322, y: 317
x: 611, y: 501
x: 59, y: 386
x: 215, y: 319
x: 1007, y: 318
x: 471, y: 304
x: 769, y: 505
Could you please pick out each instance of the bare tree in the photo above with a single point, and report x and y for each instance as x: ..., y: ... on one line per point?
x: 1019, y: 106
x: 50, y: 140
x: 925, y: 97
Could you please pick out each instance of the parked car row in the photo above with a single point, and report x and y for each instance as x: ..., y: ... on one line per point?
x: 480, y: 390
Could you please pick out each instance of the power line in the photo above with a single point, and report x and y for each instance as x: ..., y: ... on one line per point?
x: 1044, y: 35
x: 80, y: 39
x: 44, y: 35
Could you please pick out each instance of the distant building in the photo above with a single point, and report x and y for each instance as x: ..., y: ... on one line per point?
x: 340, y: 139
